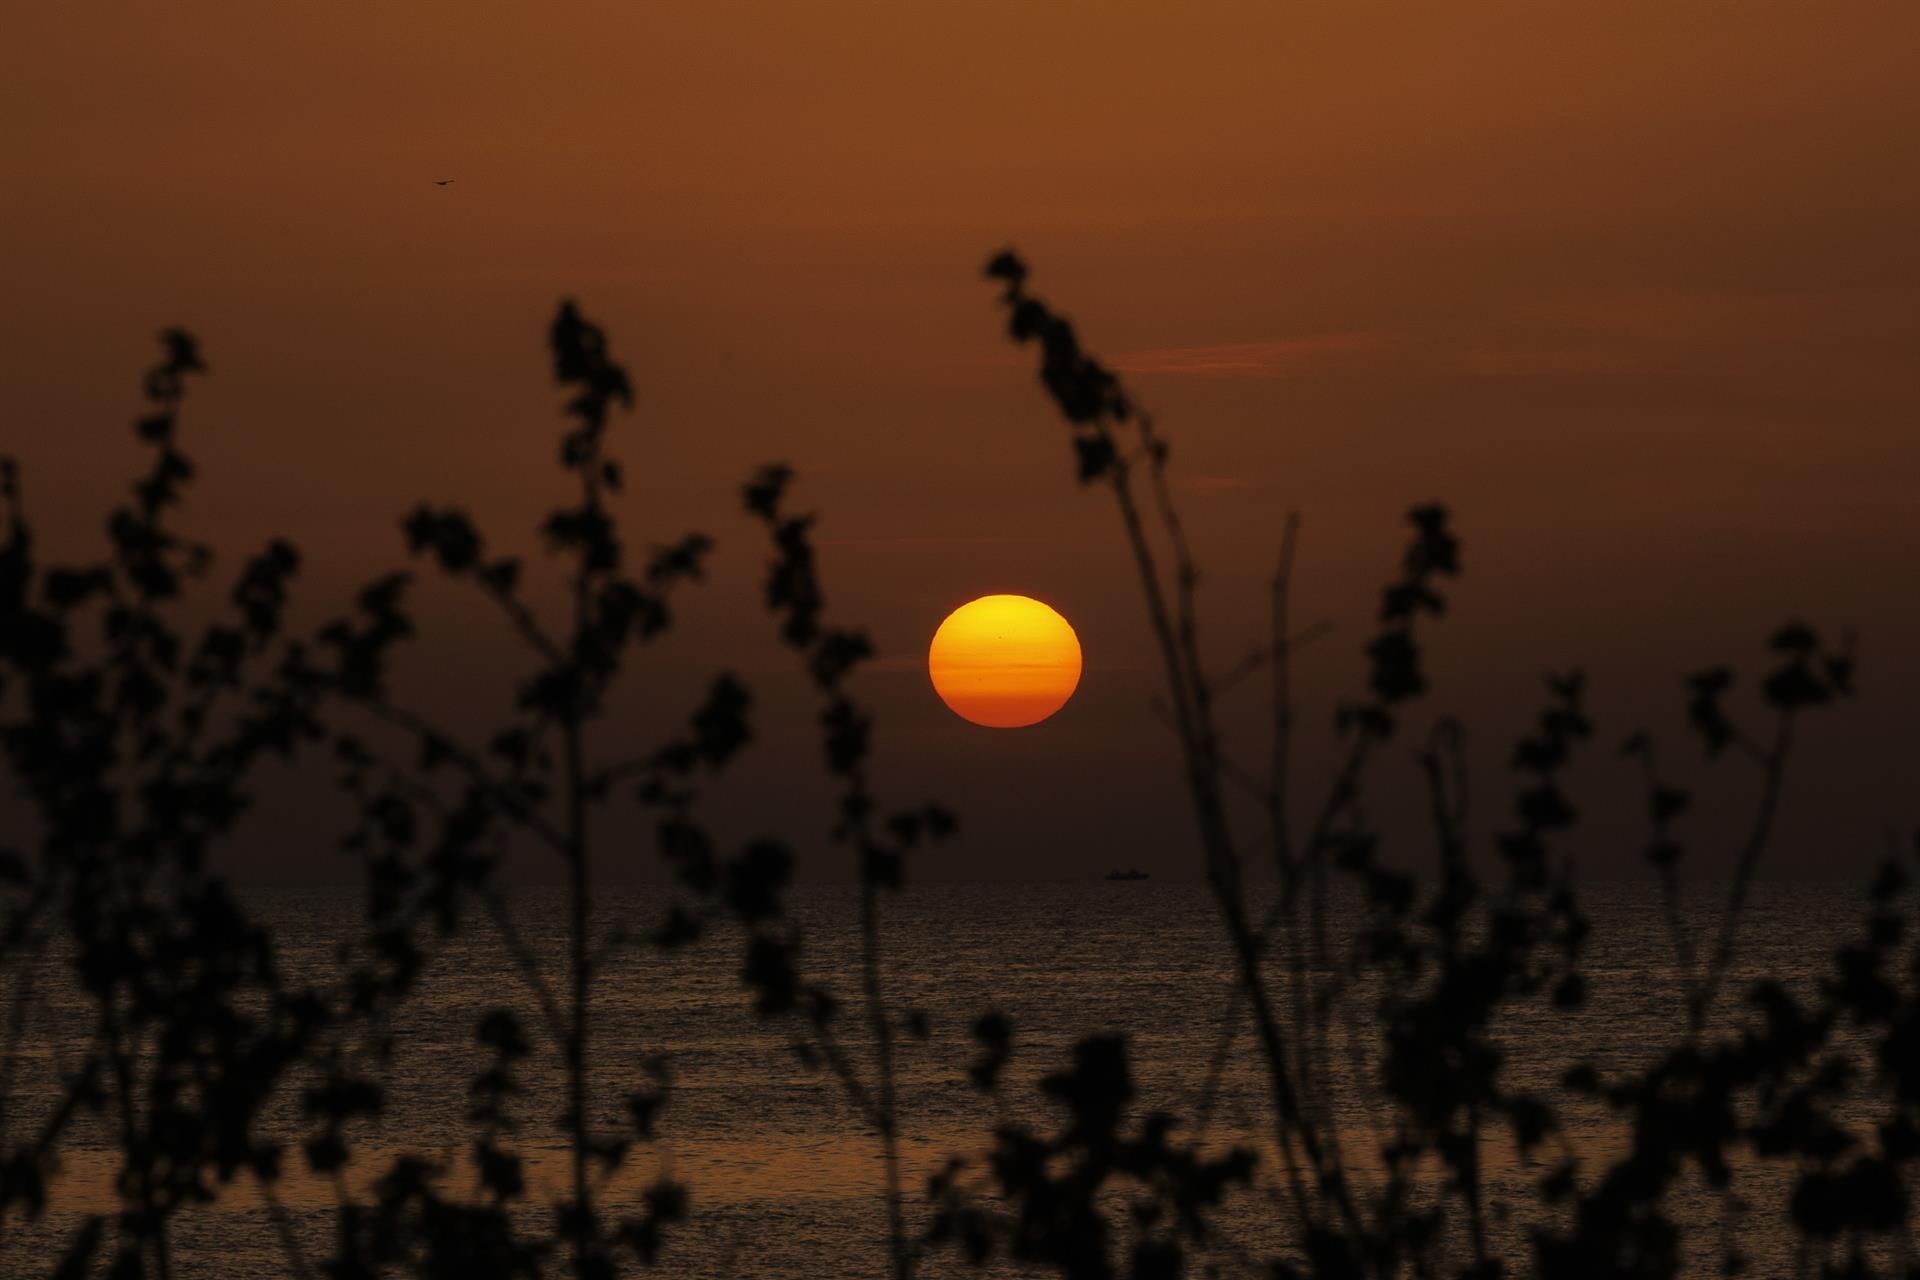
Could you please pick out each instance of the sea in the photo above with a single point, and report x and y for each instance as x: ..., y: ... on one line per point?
x: 785, y: 1178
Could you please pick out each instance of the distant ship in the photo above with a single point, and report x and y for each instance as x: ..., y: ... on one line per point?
x: 1129, y: 874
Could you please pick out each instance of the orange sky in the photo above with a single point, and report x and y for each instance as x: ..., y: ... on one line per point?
x: 1631, y: 286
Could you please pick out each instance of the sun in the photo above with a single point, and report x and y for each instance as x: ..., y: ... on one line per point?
x: 1004, y: 661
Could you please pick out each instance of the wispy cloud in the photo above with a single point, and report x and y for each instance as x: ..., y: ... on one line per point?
x: 930, y: 540
x: 1273, y: 357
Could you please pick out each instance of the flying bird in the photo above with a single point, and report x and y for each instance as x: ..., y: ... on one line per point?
x: 443, y: 182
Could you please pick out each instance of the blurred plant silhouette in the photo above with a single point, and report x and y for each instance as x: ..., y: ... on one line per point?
x: 537, y: 779
x: 133, y: 772
x: 135, y: 736
x: 131, y: 739
x: 1449, y: 959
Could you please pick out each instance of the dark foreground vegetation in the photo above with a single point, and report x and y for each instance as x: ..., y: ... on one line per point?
x: 133, y: 738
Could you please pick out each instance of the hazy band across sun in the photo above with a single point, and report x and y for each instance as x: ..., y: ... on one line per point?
x: 1004, y: 661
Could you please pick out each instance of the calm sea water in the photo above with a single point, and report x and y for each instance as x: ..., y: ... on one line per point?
x: 784, y: 1178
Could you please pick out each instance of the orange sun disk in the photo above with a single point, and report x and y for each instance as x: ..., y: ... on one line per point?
x: 1004, y: 661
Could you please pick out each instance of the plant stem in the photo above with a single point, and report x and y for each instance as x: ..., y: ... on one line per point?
x: 1222, y: 864
x: 1774, y: 763
x: 578, y: 877
x: 1279, y: 771
x: 577, y: 1041
x: 883, y: 1052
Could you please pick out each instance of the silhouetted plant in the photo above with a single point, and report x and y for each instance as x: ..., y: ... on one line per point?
x: 880, y: 848
x: 1052, y: 1192
x: 121, y: 743
x: 536, y: 779
x: 1447, y: 961
x: 134, y: 739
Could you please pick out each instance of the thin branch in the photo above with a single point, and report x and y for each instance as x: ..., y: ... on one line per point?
x: 1677, y: 931
x: 1234, y: 773
x: 20, y: 1007
x: 1750, y: 854
x: 882, y: 1029
x: 1200, y: 778
x: 1261, y: 659
x: 528, y: 626
x: 849, y: 1076
x: 283, y: 1230
x: 20, y: 923
x: 1217, y: 1062
x: 1280, y: 763
x: 1237, y: 672
x: 525, y: 961
x: 1340, y: 797
x: 515, y: 806
x: 578, y: 881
